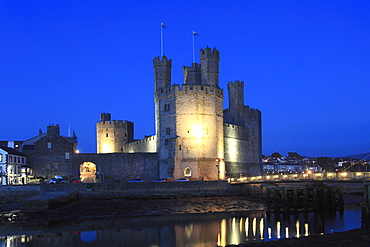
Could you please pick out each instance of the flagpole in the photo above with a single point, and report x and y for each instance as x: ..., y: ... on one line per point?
x: 194, y: 33
x: 162, y: 25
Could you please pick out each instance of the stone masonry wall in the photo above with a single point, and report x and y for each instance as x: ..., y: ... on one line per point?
x: 146, y: 145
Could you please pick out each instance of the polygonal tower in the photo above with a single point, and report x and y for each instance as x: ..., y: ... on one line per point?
x: 190, y: 122
x: 111, y: 135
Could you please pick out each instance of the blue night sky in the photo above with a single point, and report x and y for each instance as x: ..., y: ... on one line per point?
x: 305, y: 64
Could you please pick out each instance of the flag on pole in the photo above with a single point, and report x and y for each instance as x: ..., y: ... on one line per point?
x: 194, y: 33
x: 162, y: 50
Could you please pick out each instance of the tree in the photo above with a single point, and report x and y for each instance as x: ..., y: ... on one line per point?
x: 294, y: 155
x: 276, y: 155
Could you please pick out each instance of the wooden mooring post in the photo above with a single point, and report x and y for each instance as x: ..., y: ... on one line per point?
x: 366, y: 206
x: 305, y: 198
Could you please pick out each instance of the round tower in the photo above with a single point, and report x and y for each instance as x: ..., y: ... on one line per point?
x: 112, y: 135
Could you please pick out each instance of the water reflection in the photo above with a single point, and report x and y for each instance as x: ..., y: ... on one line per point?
x: 219, y: 229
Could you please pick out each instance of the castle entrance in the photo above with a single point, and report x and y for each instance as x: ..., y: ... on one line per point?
x: 88, y: 172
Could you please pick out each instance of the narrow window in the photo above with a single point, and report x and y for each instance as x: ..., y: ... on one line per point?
x: 179, y: 147
x: 106, y: 135
x: 49, y: 144
x: 22, y: 160
x: 1, y: 157
x: 67, y: 155
x: 168, y: 130
x: 10, y: 158
x: 167, y: 107
x: 187, y: 172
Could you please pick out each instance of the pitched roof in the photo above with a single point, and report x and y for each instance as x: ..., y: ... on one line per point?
x: 11, y: 151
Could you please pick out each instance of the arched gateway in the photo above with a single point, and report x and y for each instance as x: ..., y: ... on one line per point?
x: 88, y: 172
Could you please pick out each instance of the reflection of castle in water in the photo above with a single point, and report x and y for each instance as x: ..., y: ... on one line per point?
x: 219, y: 229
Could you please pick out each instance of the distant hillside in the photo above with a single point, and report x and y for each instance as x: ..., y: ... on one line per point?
x: 365, y: 156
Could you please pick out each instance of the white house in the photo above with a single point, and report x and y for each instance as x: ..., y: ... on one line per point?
x: 11, y: 163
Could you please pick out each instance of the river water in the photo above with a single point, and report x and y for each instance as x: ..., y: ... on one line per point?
x: 197, y: 230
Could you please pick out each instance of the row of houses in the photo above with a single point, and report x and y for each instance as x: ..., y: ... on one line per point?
x: 286, y: 165
x: 19, y: 160
x: 13, y: 166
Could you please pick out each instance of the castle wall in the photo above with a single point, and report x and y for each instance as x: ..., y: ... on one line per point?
x: 240, y: 157
x: 119, y: 166
x: 146, y: 145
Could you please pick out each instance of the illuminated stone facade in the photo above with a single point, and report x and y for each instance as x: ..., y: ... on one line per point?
x: 195, y: 137
x: 111, y: 135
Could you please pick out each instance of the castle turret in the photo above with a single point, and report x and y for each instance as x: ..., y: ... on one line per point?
x: 192, y: 75
x: 162, y: 73
x: 112, y: 135
x: 210, y: 66
x: 105, y: 117
x: 236, y: 94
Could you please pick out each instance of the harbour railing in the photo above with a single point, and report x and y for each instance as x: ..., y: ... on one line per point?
x: 325, y: 176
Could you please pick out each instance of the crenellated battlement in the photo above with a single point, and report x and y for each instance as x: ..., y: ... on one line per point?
x: 191, y: 89
x: 113, y: 124
x: 210, y: 53
x: 235, y: 84
x: 164, y: 61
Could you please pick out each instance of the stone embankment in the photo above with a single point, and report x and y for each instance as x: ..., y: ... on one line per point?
x: 48, y: 200
x: 11, y: 194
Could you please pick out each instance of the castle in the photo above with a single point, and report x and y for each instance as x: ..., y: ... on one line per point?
x: 195, y: 137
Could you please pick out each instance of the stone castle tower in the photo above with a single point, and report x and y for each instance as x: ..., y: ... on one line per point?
x: 195, y: 137
x: 189, y: 119
x: 112, y: 135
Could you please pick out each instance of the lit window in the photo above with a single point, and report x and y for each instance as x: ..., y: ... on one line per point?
x: 67, y: 155
x: 187, y: 172
x: 1, y: 157
x: 49, y: 144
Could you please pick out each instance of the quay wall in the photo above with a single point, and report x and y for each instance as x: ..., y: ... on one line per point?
x: 151, y: 189
x: 10, y: 194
